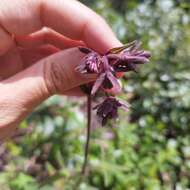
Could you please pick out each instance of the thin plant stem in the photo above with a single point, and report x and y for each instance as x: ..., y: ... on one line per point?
x: 89, y: 104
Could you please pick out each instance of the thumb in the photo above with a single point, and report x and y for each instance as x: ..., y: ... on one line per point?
x: 20, y: 94
x: 60, y: 75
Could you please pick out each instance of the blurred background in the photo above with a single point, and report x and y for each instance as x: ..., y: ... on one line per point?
x: 147, y: 148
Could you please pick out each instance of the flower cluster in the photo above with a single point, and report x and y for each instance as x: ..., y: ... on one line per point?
x: 120, y: 59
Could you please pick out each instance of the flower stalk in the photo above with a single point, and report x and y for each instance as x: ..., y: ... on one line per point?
x: 89, y: 108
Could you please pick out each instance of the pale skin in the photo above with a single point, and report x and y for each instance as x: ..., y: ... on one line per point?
x: 38, y: 62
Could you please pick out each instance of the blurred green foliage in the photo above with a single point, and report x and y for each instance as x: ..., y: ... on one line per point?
x: 149, y: 148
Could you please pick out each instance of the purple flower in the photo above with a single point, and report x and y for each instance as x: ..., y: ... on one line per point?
x: 108, y: 109
x: 91, y: 63
x: 107, y: 78
x: 129, y: 58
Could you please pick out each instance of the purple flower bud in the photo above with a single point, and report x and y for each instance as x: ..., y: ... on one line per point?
x: 134, y: 53
x: 129, y: 58
x: 91, y: 63
x: 108, y: 109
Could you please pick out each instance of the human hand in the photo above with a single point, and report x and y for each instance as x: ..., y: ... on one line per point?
x: 36, y: 63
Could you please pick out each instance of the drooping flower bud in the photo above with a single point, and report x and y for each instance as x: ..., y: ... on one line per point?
x: 108, y: 109
x: 129, y: 58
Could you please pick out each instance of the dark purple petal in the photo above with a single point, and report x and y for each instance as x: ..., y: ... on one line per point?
x: 132, y: 67
x: 135, y: 59
x: 114, y: 81
x: 85, y: 50
x: 113, y: 114
x: 146, y: 54
x: 113, y: 56
x: 105, y: 63
x: 98, y: 83
x: 107, y: 84
x: 121, y: 68
x: 105, y: 109
x: 125, y: 67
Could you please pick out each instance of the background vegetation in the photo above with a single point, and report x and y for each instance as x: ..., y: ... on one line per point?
x: 149, y: 148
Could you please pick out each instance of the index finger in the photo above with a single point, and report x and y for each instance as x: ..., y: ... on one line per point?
x: 77, y: 21
x: 70, y: 18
